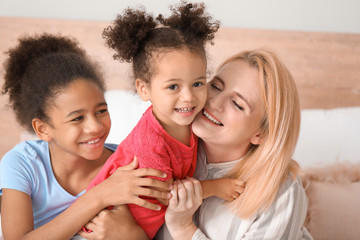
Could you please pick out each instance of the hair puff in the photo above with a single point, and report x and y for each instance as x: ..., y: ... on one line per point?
x: 27, y: 51
x: 128, y: 32
x: 192, y: 20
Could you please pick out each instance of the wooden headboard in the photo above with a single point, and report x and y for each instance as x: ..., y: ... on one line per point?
x: 326, y: 66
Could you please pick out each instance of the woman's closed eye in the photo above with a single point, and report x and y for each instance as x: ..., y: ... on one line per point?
x: 213, y: 85
x: 238, y: 106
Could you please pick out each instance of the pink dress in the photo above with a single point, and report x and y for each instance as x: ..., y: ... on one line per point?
x: 154, y: 148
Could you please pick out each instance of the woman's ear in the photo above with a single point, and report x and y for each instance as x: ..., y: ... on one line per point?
x: 41, y: 129
x: 142, y: 89
x: 256, y: 138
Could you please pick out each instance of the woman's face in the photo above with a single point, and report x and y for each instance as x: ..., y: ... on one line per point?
x: 234, y: 108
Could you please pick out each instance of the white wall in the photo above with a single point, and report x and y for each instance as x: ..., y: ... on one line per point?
x: 303, y: 15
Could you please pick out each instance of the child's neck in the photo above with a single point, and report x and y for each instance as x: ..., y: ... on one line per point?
x: 74, y: 173
x: 180, y: 133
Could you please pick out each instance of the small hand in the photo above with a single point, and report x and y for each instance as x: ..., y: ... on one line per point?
x: 117, y: 223
x: 127, y: 183
x: 228, y: 188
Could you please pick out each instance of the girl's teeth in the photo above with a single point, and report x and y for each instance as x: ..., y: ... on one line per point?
x: 212, y: 119
x: 94, y: 141
x: 184, y: 109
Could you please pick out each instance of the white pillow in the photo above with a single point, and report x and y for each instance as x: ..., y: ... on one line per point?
x: 126, y: 109
x: 328, y: 136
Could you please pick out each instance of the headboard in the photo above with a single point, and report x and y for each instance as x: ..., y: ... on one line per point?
x: 326, y: 66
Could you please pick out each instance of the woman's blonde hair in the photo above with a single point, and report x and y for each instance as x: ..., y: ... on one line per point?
x: 267, y: 165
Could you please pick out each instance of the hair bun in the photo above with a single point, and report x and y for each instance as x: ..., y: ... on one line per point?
x: 192, y: 20
x: 31, y: 48
x: 28, y: 50
x: 128, y: 32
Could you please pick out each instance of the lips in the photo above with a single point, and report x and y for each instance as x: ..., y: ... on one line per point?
x: 211, y: 118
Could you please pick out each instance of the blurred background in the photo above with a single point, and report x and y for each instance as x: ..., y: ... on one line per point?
x: 319, y: 40
x: 304, y: 15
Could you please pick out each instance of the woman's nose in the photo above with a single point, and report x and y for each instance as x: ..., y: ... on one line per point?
x: 216, y: 102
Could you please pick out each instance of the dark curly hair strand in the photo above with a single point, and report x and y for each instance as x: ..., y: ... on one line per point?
x: 38, y: 68
x: 137, y: 36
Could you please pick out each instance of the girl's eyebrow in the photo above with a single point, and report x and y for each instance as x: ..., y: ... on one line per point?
x: 237, y: 93
x: 79, y: 111
x: 178, y: 79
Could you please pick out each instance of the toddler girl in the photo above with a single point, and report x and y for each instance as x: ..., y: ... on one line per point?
x: 169, y: 65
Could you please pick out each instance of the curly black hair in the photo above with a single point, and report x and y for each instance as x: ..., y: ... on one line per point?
x: 38, y: 68
x: 136, y: 35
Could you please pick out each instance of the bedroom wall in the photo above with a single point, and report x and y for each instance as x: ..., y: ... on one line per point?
x: 305, y: 15
x: 325, y: 65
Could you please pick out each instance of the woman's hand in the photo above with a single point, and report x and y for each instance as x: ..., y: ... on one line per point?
x: 117, y: 223
x: 186, y: 199
x: 127, y: 183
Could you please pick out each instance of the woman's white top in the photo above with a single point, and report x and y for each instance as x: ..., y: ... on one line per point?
x: 215, y: 220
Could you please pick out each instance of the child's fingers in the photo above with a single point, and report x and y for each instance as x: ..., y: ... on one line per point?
x: 89, y: 227
x: 131, y: 166
x: 143, y: 203
x: 239, y: 182
x: 149, y: 192
x: 240, y: 189
x: 153, y: 183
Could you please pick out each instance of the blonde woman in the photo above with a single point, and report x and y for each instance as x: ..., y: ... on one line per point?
x: 249, y: 128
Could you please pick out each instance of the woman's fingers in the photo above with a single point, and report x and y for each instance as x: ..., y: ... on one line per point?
x: 174, y: 200
x: 198, y: 189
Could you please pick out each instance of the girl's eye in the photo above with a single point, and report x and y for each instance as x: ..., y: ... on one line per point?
x: 77, y: 119
x: 173, y: 87
x: 238, y: 106
x: 198, y: 84
x: 101, y: 111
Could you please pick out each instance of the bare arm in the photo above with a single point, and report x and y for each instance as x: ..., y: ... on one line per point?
x: 122, y: 187
x: 225, y: 188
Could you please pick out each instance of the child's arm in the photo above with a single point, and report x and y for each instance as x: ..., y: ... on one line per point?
x: 226, y: 188
x: 17, y: 214
x: 117, y: 223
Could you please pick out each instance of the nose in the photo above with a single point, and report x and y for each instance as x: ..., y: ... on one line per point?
x: 93, y: 125
x: 216, y: 102
x: 187, y: 95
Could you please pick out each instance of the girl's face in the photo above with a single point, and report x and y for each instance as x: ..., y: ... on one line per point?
x: 177, y: 90
x: 234, y: 109
x: 79, y: 121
